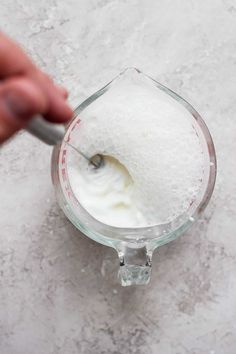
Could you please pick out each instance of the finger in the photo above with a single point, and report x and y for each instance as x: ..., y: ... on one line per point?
x: 13, y: 60
x: 58, y: 109
x: 42, y: 77
x: 47, y: 80
x: 20, y: 99
x: 62, y: 91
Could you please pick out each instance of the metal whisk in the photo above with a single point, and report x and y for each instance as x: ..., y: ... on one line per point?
x: 52, y: 134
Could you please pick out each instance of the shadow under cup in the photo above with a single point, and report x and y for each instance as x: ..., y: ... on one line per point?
x: 135, y: 246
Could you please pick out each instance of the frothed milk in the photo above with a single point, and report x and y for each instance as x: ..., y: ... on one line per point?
x: 154, y: 162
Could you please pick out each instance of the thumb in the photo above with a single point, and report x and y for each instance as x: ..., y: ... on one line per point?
x: 20, y: 99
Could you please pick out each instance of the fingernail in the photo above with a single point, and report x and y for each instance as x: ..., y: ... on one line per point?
x: 17, y: 105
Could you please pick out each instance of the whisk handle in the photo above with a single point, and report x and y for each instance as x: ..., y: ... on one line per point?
x: 47, y: 132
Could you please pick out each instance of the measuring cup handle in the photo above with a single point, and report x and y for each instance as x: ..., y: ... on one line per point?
x: 135, y: 266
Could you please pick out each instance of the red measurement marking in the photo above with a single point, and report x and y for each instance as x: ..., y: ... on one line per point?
x: 67, y: 139
x: 68, y: 191
x: 63, y: 171
x: 63, y: 160
x: 77, y: 123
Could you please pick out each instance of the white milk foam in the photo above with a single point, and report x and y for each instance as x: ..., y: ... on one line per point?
x: 157, y: 164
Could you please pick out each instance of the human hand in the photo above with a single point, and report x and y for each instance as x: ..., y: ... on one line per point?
x: 25, y: 91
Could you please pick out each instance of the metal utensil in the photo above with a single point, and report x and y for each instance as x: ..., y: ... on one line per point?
x: 52, y: 134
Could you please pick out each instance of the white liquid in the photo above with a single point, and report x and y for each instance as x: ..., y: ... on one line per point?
x: 158, y: 168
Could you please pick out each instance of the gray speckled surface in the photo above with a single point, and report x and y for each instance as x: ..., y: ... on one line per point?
x: 59, y: 292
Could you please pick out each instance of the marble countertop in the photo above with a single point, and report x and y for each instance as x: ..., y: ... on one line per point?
x: 58, y: 289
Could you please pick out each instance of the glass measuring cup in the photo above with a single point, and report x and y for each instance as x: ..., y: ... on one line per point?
x: 135, y: 246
